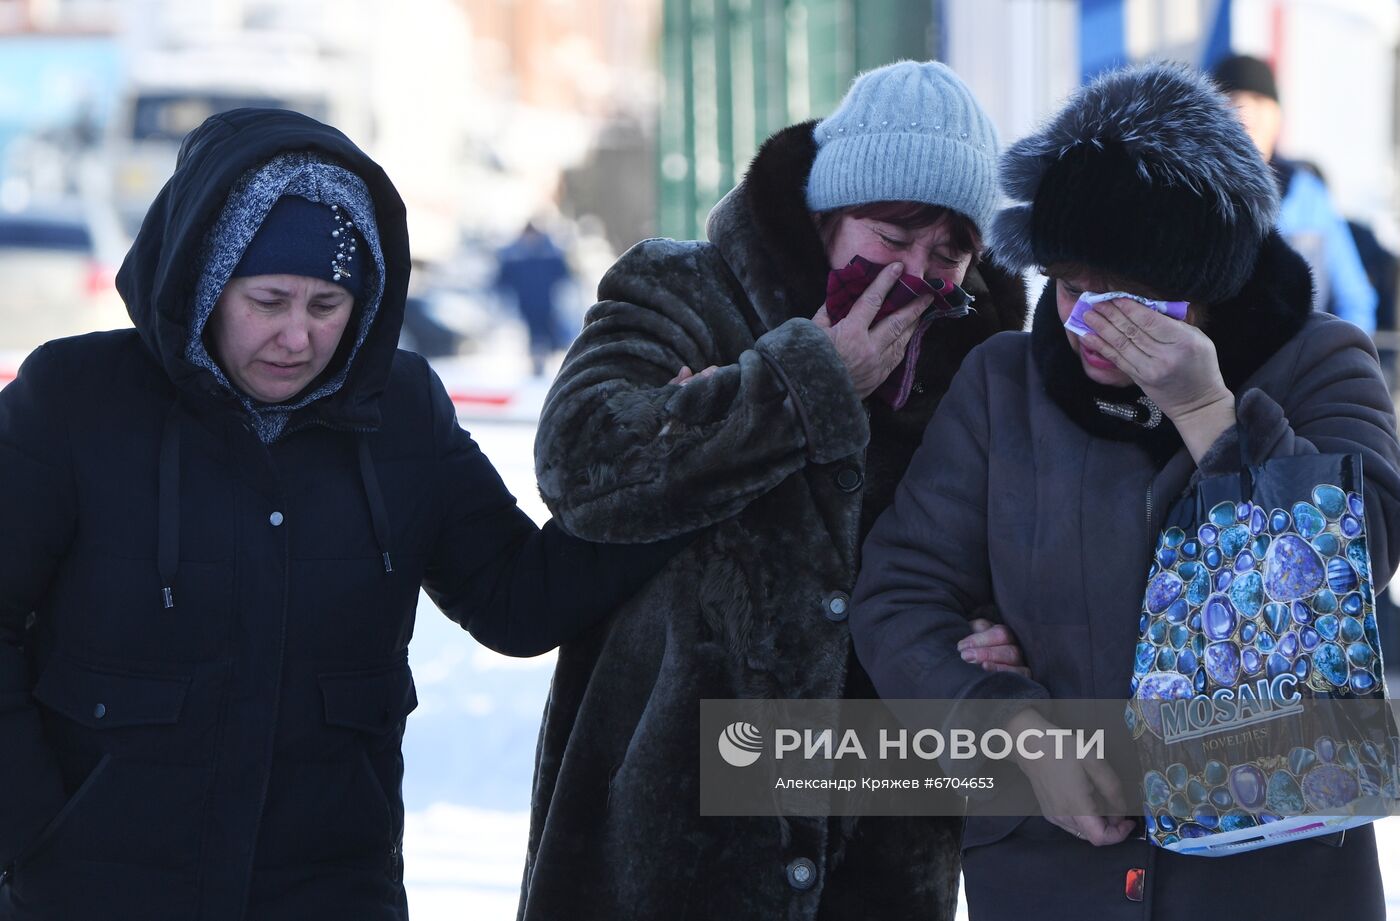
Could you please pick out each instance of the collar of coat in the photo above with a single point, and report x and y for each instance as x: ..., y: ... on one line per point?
x: 767, y: 237
x: 1247, y: 330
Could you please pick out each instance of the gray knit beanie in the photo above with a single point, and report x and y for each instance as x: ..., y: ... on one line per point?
x: 908, y: 131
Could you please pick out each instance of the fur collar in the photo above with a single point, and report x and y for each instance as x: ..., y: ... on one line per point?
x: 765, y: 232
x: 1247, y: 330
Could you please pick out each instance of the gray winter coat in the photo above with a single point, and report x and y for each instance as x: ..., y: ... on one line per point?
x: 1012, y: 501
x: 781, y: 468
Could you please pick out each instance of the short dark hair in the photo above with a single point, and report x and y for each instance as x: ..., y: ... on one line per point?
x: 909, y: 215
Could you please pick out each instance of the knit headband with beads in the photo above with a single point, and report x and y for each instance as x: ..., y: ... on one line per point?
x: 303, y: 237
x: 908, y: 131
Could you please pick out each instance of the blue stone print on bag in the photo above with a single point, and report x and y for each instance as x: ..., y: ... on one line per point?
x: 1280, y: 596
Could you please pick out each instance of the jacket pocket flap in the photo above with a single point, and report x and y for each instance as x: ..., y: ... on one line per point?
x: 102, y: 699
x: 369, y: 701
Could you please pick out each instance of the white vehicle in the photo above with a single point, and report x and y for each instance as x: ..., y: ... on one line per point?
x: 58, y: 278
x: 171, y: 91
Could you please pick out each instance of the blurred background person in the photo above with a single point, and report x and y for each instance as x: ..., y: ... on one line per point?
x: 531, y: 271
x: 1383, y: 271
x: 422, y: 332
x: 1307, y: 218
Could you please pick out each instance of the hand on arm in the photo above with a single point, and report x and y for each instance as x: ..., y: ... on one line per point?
x: 994, y: 647
x: 1072, y: 793
x: 519, y: 589
x: 685, y: 375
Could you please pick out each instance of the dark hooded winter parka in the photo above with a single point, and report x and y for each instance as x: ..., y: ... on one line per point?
x: 231, y: 749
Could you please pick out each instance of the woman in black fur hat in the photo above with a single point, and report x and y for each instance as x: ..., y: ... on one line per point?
x: 783, y: 455
x: 1055, y: 453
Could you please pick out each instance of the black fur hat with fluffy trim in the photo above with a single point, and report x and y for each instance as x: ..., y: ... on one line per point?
x: 1147, y: 175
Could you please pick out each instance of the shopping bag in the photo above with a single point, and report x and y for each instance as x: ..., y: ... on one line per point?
x: 1258, y: 692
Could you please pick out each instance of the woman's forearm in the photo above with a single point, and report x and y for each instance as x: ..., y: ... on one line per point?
x: 1200, y: 428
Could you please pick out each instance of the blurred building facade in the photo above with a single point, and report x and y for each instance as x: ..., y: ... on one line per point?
x: 1336, y: 64
x: 584, y: 89
x: 641, y: 113
x: 588, y: 56
x: 58, y: 16
x: 478, y: 107
x: 735, y: 71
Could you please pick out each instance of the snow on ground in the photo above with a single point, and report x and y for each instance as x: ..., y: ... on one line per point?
x: 469, y: 749
x: 461, y: 862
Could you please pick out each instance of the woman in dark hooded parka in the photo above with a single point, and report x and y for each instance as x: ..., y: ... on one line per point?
x: 215, y: 530
x: 1054, y: 457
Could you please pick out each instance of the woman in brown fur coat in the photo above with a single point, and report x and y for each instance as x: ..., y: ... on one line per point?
x: 782, y: 456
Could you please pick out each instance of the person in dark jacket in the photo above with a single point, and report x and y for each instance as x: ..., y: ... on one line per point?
x: 781, y: 449
x: 1307, y: 218
x: 1054, y: 457
x: 531, y: 269
x: 216, y: 528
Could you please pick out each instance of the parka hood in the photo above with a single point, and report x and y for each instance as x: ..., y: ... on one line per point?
x: 159, y: 278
